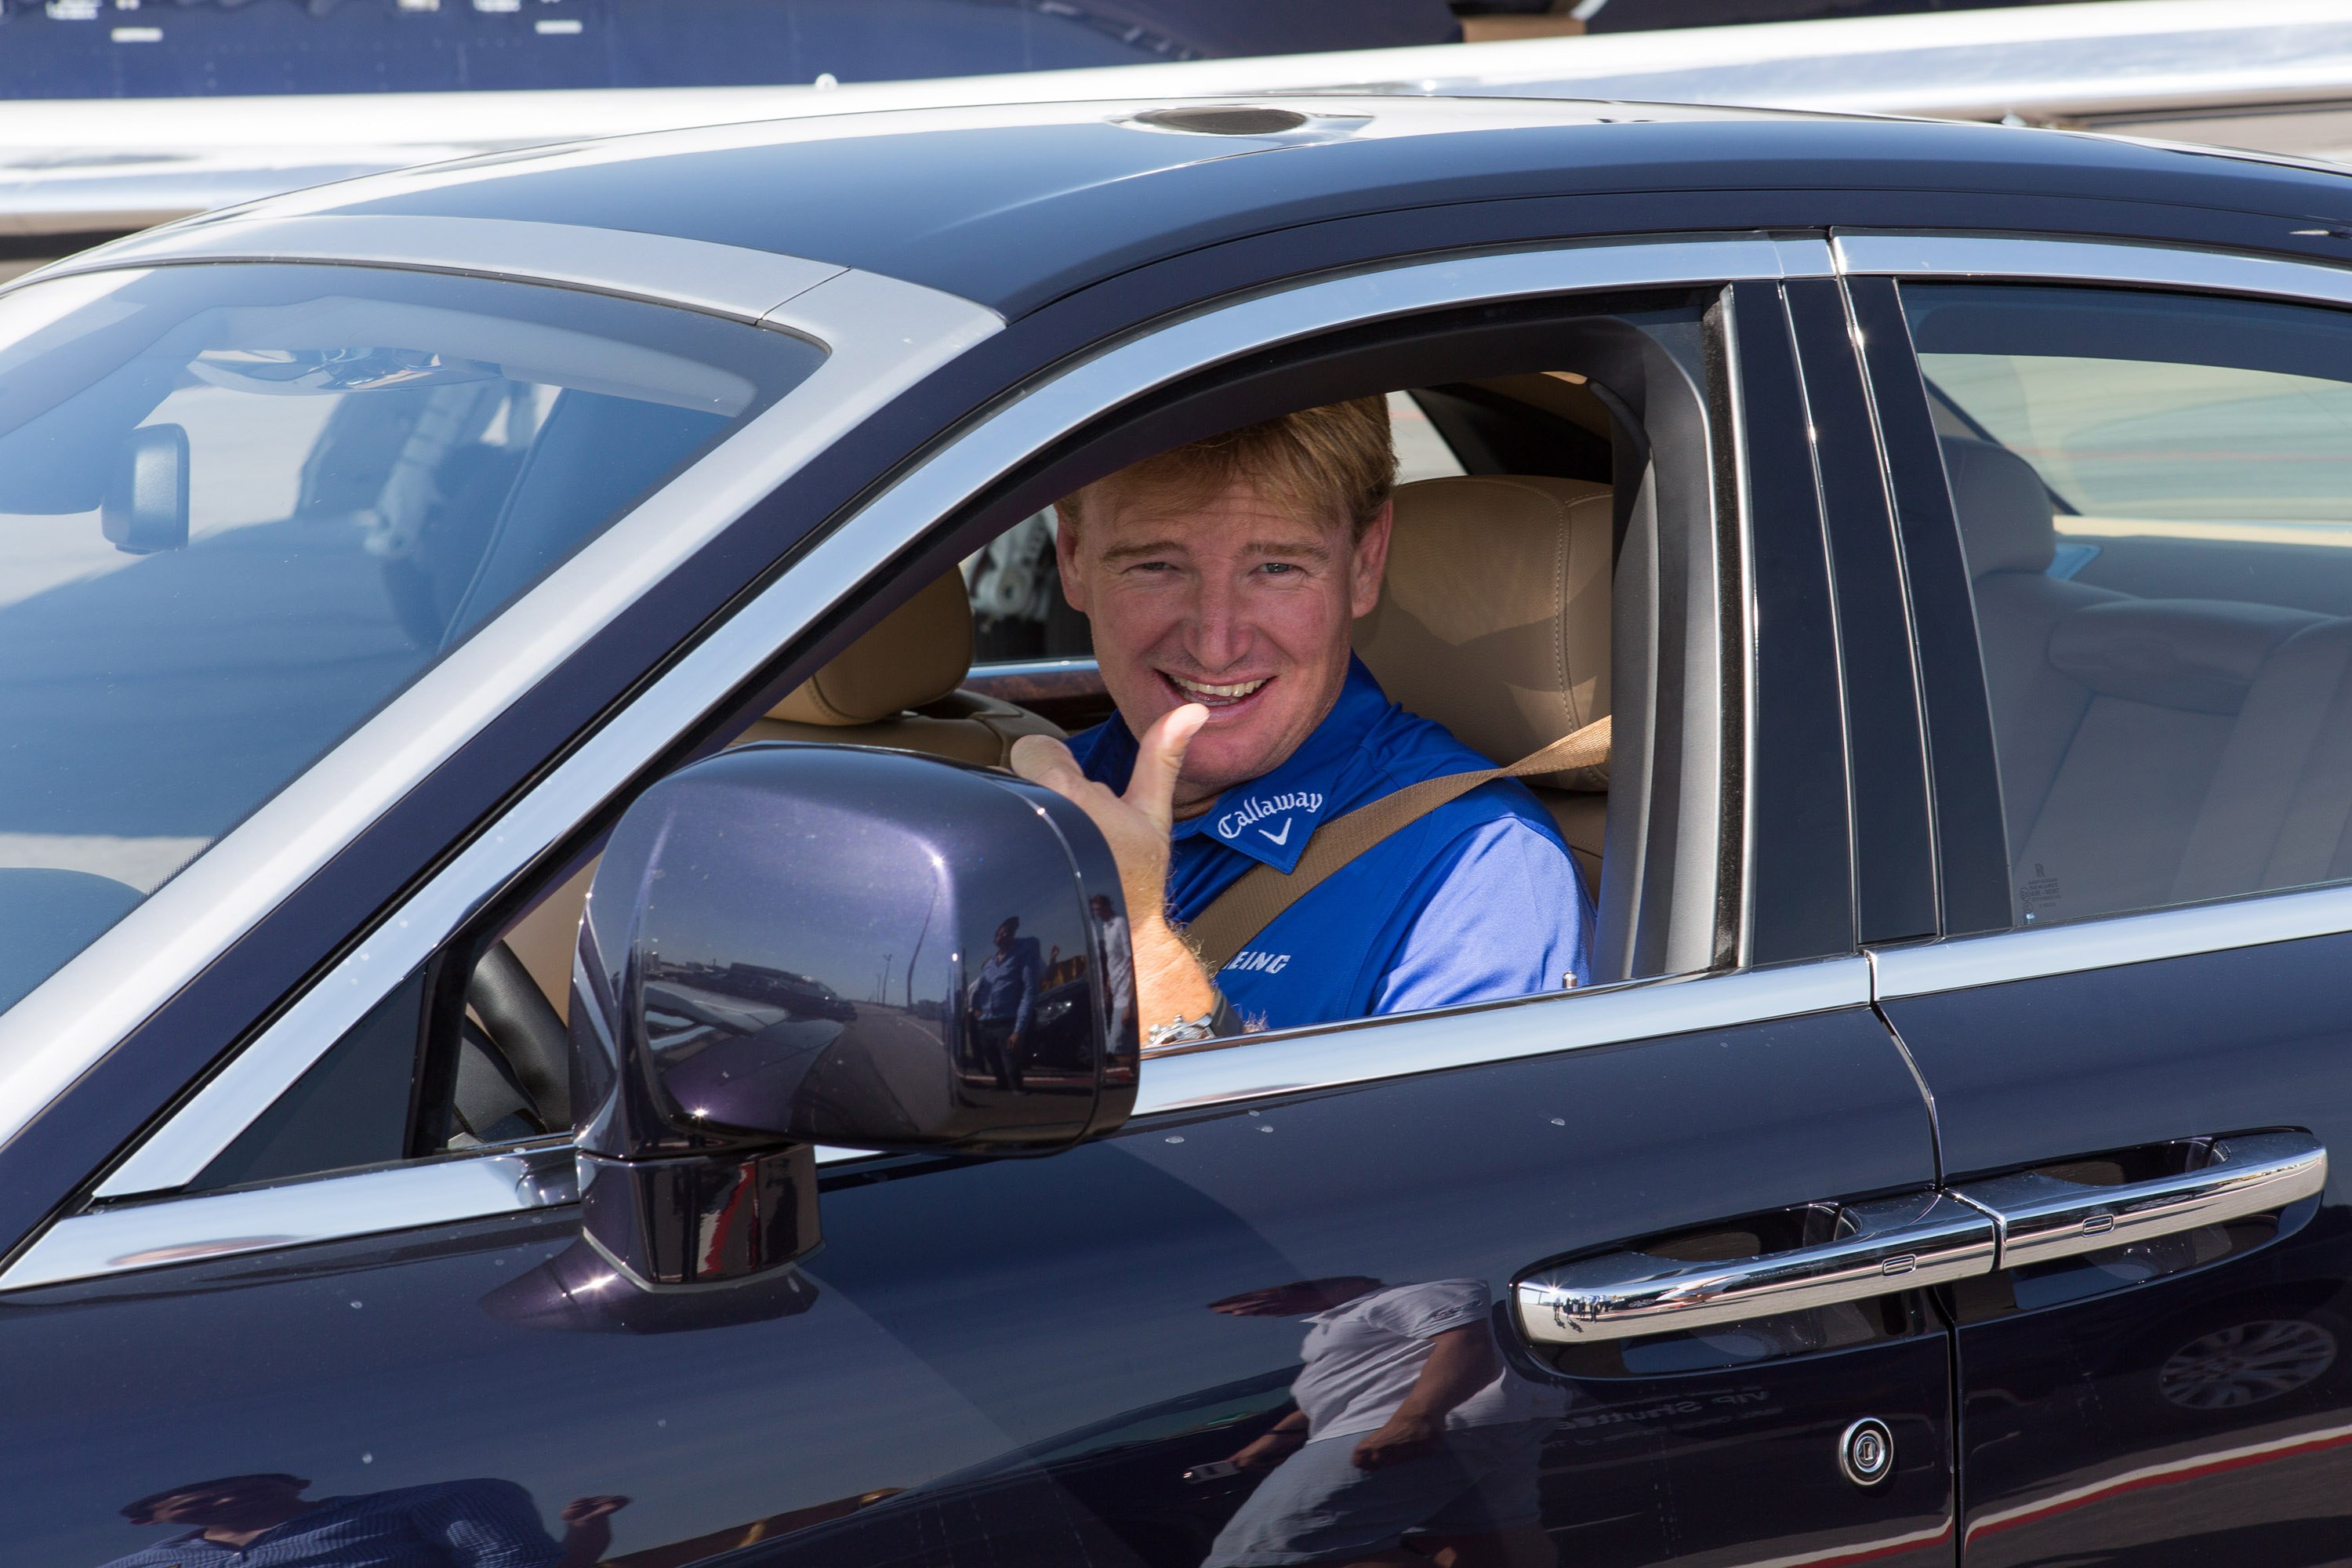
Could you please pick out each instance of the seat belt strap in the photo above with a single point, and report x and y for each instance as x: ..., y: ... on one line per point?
x: 1236, y: 916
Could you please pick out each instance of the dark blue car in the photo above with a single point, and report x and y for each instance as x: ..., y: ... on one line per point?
x: 1955, y: 522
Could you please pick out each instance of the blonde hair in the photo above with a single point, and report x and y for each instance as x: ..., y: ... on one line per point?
x: 1336, y: 461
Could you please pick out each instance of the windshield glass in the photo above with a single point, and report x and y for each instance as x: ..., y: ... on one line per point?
x: 241, y: 506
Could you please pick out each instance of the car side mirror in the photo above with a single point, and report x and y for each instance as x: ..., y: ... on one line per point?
x: 146, y: 505
x: 791, y: 945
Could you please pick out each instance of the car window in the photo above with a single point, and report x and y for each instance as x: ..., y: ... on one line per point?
x: 1496, y: 622
x: 241, y: 506
x: 2155, y: 498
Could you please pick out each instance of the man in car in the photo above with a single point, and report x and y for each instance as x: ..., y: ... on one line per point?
x: 1222, y: 579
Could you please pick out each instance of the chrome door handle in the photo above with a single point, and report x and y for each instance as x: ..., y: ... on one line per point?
x: 2042, y: 1217
x: 1895, y: 1244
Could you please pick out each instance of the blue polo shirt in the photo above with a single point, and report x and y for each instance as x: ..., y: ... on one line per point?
x: 1477, y: 899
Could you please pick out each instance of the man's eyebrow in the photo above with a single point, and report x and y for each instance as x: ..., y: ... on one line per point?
x: 1308, y: 550
x: 1290, y: 549
x: 1136, y: 551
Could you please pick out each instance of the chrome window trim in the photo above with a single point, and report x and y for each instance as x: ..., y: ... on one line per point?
x: 134, y: 1237
x: 882, y: 335
x: 1366, y: 1050
x: 837, y: 566
x: 2032, y: 953
x: 322, y: 1208
x: 1739, y: 614
x: 1070, y: 663
x: 723, y: 280
x: 2115, y: 263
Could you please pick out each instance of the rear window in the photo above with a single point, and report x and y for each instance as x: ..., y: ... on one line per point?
x: 242, y: 506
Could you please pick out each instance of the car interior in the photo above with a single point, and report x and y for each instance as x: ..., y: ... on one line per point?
x: 2185, y: 741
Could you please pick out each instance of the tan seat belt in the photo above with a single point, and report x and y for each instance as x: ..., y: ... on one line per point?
x: 1236, y: 915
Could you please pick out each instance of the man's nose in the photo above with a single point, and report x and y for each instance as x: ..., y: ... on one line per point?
x: 1219, y: 634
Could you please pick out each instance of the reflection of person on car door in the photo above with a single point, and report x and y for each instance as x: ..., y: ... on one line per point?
x: 264, y: 1521
x: 1410, y: 1429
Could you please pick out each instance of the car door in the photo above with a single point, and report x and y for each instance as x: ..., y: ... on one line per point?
x: 2141, y: 1071
x: 1700, y: 1202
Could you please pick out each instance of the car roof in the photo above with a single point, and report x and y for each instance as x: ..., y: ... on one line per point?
x: 1015, y: 205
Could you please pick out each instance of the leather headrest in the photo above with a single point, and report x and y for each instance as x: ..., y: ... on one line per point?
x: 1494, y: 620
x: 2004, y: 510
x: 2195, y: 654
x: 916, y: 654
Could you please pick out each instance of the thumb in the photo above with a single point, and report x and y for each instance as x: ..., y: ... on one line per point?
x: 1160, y: 758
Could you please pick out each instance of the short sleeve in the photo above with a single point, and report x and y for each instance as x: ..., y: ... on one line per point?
x: 1507, y: 917
x: 485, y: 1524
x: 1424, y: 1311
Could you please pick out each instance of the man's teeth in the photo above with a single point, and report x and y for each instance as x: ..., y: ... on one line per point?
x: 1202, y: 688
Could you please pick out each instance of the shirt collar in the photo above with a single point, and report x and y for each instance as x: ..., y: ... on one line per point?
x: 1270, y: 817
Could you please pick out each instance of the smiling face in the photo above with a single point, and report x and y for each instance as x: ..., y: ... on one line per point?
x: 1238, y: 603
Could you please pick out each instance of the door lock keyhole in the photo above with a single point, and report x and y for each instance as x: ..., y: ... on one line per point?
x: 1867, y: 1452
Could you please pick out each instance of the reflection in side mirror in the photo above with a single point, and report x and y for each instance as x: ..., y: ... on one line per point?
x: 789, y: 945
x: 146, y: 507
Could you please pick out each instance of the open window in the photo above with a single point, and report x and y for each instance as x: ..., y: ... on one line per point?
x: 1558, y: 557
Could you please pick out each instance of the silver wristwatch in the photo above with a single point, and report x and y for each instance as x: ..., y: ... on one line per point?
x: 1180, y: 1031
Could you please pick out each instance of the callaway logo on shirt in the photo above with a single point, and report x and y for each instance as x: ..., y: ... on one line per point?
x: 1254, y: 810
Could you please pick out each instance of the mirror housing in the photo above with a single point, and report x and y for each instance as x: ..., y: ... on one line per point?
x: 146, y: 505
x: 788, y: 946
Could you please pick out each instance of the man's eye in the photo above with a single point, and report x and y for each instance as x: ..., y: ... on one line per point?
x: 1280, y: 568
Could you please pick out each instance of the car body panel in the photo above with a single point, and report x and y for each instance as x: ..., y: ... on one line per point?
x: 965, y: 1313
x: 2098, y: 1420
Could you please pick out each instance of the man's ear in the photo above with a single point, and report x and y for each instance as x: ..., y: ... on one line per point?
x: 1371, y: 563
x: 1066, y: 554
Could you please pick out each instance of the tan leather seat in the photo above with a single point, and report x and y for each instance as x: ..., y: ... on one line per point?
x: 1494, y: 621
x: 897, y: 686
x: 894, y: 687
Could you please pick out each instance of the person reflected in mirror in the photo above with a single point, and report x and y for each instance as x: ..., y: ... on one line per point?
x: 1005, y: 1001
x: 1222, y: 580
x: 1413, y: 1439
x: 264, y: 1521
x: 1119, y: 966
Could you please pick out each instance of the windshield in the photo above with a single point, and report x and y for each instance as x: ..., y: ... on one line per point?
x: 241, y: 506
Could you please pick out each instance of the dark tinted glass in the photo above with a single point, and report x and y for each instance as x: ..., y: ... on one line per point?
x: 2155, y: 498
x: 242, y: 506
